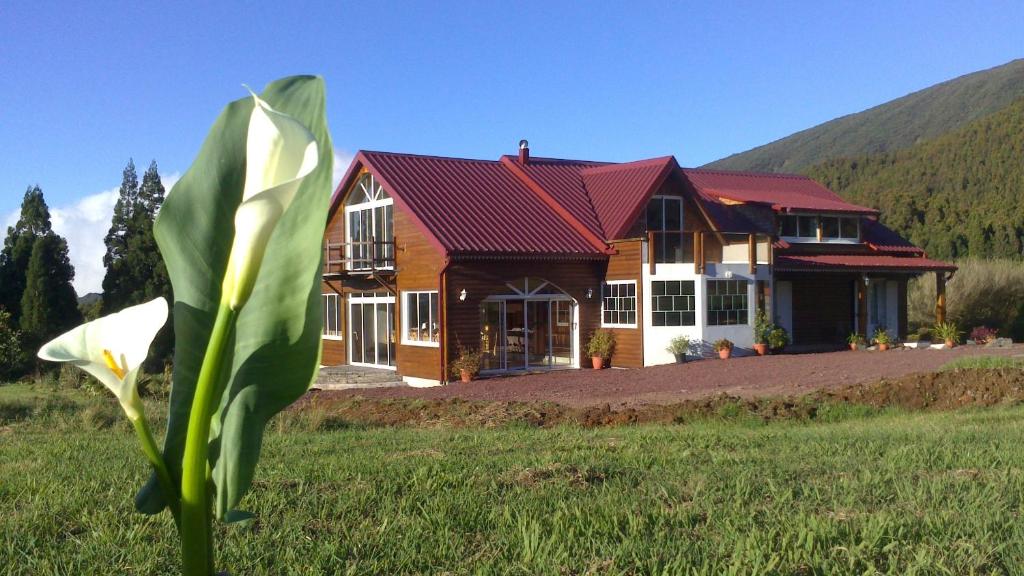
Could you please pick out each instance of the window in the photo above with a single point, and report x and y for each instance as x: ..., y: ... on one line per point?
x: 665, y: 219
x: 673, y: 303
x: 829, y: 227
x: 370, y: 226
x: 848, y: 228
x: 727, y: 302
x: 618, y: 304
x: 420, y: 319
x: 808, y: 227
x: 788, y: 226
x: 332, y: 317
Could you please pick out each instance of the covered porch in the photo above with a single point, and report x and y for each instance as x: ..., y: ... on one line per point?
x: 822, y: 299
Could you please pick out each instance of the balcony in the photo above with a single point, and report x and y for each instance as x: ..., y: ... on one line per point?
x: 701, y: 247
x: 369, y: 257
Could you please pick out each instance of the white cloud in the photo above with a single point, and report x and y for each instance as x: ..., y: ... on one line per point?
x: 342, y: 159
x: 84, y: 224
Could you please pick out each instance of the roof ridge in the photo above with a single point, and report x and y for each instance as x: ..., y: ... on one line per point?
x: 563, y: 213
x: 626, y: 165
x: 780, y: 175
x: 430, y: 156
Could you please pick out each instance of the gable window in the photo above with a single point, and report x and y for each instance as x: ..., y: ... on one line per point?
x: 332, y: 317
x: 727, y: 302
x: 369, y: 226
x: 618, y: 304
x: 420, y: 320
x: 665, y: 219
x: 673, y: 303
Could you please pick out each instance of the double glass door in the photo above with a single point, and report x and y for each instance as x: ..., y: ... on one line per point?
x: 372, y: 331
x: 524, y: 334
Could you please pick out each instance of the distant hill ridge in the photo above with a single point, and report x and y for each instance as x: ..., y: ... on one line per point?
x: 898, y: 124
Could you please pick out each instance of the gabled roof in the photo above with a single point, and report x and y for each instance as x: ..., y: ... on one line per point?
x: 620, y: 191
x: 471, y: 206
x: 781, y: 191
x: 859, y: 263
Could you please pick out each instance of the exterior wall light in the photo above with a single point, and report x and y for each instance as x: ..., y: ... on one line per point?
x: 462, y: 295
x: 590, y: 293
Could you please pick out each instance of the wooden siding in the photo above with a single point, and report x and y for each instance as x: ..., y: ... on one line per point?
x: 419, y: 267
x: 481, y: 279
x: 628, y: 265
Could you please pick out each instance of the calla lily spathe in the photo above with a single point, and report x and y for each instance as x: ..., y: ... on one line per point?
x: 112, y: 349
x: 280, y: 152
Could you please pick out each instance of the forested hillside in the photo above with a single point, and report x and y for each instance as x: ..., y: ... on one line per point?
x: 898, y: 124
x: 961, y: 194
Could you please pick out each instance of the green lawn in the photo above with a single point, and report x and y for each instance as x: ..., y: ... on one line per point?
x: 936, y: 493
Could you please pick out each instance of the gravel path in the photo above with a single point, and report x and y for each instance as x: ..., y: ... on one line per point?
x: 745, y: 377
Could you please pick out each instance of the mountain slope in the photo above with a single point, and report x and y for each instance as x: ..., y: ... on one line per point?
x: 891, y: 126
x: 961, y: 194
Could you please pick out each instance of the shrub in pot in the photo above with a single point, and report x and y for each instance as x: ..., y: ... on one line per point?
x: 948, y: 332
x: 678, y: 347
x: 882, y: 339
x: 467, y: 365
x: 983, y: 335
x: 778, y: 339
x: 600, y: 347
x: 724, y: 348
x: 762, y: 329
x: 854, y: 340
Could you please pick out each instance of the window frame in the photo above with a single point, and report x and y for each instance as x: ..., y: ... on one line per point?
x: 433, y: 317
x: 636, y: 313
x: 819, y: 236
x: 710, y: 298
x: 326, y: 297
x: 692, y: 296
x: 372, y: 198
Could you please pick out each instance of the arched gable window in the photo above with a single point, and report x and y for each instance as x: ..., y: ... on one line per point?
x: 369, y: 226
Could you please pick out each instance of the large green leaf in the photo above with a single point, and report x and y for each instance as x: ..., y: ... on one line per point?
x: 275, y: 350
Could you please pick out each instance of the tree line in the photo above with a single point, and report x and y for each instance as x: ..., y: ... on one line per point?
x: 37, y: 299
x: 957, y: 196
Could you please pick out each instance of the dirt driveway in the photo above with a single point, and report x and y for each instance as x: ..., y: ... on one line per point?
x: 788, y: 375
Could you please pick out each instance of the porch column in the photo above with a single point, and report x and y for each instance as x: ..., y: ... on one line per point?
x: 862, y: 306
x: 940, y: 297
x: 752, y: 252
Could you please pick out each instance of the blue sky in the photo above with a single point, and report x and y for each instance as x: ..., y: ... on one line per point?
x: 85, y: 87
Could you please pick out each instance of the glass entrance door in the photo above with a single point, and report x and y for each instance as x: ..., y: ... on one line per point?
x: 372, y: 330
x: 523, y: 334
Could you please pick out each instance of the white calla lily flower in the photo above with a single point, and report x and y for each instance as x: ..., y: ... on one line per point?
x: 112, y: 349
x: 280, y: 152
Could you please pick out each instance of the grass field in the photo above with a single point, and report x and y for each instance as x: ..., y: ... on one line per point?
x: 894, y: 493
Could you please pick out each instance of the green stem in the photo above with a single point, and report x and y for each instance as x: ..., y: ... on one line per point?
x: 163, y: 476
x: 196, y: 536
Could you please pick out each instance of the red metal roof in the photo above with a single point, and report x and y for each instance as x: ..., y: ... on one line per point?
x: 474, y: 206
x: 781, y: 191
x: 620, y: 191
x: 561, y: 180
x: 858, y: 263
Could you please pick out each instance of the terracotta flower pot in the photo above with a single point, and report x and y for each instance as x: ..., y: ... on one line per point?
x: 598, y: 362
x: 761, y: 349
x: 725, y: 353
x: 466, y: 375
x: 950, y: 343
x: 853, y: 345
x: 883, y: 347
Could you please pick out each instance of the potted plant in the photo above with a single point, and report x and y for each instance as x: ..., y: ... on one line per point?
x: 855, y: 340
x: 984, y: 335
x: 762, y: 329
x: 600, y: 347
x: 882, y: 339
x: 778, y: 339
x: 949, y: 332
x: 724, y: 348
x: 466, y: 365
x: 678, y: 347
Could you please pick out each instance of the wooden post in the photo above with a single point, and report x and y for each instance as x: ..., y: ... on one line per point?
x: 862, y: 307
x: 696, y: 248
x: 698, y: 258
x: 752, y: 252
x: 650, y: 252
x: 940, y: 297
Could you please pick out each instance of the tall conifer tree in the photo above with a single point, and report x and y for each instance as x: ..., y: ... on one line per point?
x: 117, y: 281
x: 49, y: 305
x: 33, y: 223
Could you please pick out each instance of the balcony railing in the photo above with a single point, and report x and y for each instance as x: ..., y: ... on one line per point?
x: 360, y: 256
x: 701, y: 247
